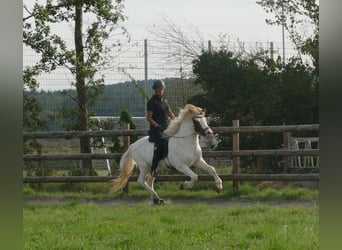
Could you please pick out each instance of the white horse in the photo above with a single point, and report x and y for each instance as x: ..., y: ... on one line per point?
x: 184, y: 151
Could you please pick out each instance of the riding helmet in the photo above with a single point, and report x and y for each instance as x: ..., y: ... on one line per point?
x: 158, y: 84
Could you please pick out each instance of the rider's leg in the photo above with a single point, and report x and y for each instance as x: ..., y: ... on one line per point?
x: 157, y: 156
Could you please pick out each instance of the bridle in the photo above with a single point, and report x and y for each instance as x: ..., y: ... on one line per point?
x: 197, y: 125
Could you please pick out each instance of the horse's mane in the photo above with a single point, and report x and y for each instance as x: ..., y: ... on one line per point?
x: 188, y: 112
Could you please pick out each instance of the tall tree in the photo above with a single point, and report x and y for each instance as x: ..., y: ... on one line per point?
x: 89, y: 53
x: 31, y: 115
x: 301, y: 20
x: 257, y: 91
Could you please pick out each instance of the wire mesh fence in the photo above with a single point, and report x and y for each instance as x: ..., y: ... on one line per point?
x: 134, y: 62
x: 142, y: 61
x: 147, y: 59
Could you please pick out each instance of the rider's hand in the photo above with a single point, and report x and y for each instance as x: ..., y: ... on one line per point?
x: 159, y: 128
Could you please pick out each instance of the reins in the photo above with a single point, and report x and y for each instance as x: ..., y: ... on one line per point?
x: 179, y: 137
x: 196, y: 132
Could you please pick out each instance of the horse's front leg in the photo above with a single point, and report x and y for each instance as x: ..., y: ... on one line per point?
x: 187, y: 171
x: 202, y: 164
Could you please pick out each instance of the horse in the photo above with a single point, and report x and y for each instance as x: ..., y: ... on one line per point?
x: 183, y: 151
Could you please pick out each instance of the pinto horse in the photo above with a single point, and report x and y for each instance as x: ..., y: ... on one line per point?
x: 184, y: 151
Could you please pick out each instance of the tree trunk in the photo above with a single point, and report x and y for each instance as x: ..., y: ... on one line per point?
x: 82, y: 90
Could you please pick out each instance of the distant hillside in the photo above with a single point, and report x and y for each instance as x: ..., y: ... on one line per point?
x: 116, y: 97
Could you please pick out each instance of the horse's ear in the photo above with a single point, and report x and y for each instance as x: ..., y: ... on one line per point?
x: 191, y: 109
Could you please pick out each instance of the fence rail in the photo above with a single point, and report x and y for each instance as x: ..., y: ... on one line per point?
x: 235, y: 154
x: 222, y: 130
x: 98, y: 156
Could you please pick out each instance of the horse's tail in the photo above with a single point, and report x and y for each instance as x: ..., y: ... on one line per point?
x: 127, y: 165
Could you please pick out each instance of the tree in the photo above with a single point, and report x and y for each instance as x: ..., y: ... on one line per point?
x: 296, y: 16
x: 85, y: 59
x: 117, y: 141
x: 182, y: 45
x: 235, y: 88
x: 31, y: 108
x: 300, y: 80
x: 32, y: 122
x: 257, y: 91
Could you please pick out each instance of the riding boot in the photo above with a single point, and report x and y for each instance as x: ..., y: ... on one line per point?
x: 155, y: 160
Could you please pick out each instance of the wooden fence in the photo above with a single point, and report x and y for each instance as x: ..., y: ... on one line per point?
x: 235, y: 154
x: 296, y: 143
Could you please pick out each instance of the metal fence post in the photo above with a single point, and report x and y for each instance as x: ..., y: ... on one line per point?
x: 146, y: 72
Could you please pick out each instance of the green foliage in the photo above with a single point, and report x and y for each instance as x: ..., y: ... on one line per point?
x: 301, y: 21
x: 234, y: 87
x: 125, y: 118
x: 256, y: 91
x: 298, y: 101
x: 33, y: 122
x: 85, y: 60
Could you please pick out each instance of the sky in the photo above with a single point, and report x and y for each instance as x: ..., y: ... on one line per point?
x: 242, y: 19
x: 238, y: 19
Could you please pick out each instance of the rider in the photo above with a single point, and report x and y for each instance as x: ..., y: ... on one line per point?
x: 158, y: 112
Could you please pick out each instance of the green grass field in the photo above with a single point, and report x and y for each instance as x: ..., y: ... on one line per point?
x: 202, y: 190
x: 75, y: 225
x: 87, y: 226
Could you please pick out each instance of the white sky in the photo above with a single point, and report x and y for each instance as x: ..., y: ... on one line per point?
x: 242, y: 19
x: 239, y: 19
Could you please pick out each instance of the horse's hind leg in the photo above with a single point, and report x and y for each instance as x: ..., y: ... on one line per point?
x: 147, y: 181
x: 202, y: 164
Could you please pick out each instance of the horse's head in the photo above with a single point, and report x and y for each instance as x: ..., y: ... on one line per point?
x: 197, y: 115
x: 201, y: 126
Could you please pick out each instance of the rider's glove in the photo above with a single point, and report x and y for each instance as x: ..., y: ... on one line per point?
x: 160, y: 128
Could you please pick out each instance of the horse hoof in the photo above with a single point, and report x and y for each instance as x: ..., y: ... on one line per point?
x: 181, y: 187
x: 158, y: 202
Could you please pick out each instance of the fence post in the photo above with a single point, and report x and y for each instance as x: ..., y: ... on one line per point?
x: 146, y: 72
x: 236, y: 159
x: 286, y: 145
x: 126, y: 139
x: 126, y: 143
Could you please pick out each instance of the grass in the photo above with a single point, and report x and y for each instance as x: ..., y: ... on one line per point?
x: 87, y: 226
x: 75, y: 225
x: 202, y: 190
